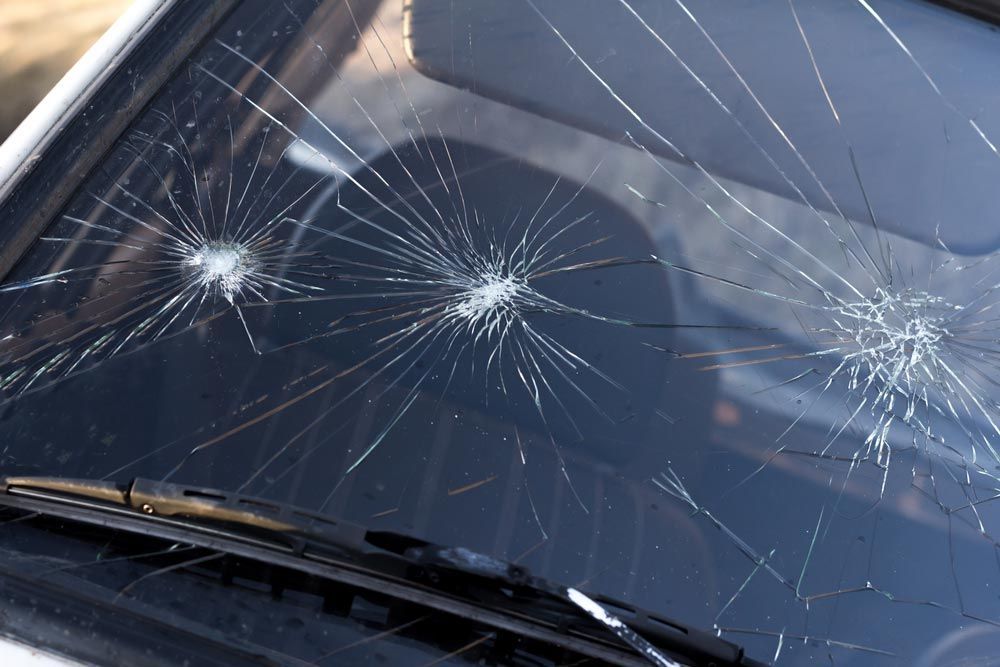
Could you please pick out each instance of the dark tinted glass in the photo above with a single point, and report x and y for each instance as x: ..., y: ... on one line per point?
x: 689, y: 304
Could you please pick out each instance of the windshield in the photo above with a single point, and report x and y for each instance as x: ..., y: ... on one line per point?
x: 687, y: 304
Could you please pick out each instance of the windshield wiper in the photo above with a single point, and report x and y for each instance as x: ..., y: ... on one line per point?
x: 453, y: 580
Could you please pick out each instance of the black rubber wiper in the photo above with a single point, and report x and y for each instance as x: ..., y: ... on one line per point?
x: 984, y: 10
x: 452, y: 580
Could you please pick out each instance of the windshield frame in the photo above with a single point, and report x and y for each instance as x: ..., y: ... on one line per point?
x: 129, y: 72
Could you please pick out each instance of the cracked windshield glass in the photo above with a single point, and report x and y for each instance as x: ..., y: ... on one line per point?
x: 688, y: 303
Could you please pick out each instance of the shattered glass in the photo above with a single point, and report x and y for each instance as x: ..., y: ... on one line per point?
x: 688, y: 304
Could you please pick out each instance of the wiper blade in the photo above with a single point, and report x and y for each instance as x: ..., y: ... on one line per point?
x: 453, y: 580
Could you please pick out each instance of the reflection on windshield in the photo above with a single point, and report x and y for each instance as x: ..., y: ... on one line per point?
x: 619, y: 291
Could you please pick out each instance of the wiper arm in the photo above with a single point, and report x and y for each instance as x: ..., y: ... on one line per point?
x: 453, y: 580
x: 199, y: 508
